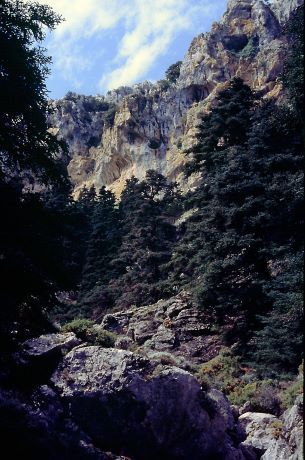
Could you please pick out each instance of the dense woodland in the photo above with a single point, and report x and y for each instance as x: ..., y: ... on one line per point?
x: 240, y: 253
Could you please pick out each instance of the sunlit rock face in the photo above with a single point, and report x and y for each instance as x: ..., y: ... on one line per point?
x: 151, y: 126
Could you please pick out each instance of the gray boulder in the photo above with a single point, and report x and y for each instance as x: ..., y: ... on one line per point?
x: 38, y: 358
x: 275, y: 438
x: 130, y: 405
x: 50, y: 343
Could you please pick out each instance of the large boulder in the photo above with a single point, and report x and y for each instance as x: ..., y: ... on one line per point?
x: 48, y: 344
x: 275, y: 438
x: 36, y: 426
x: 38, y: 357
x: 130, y: 405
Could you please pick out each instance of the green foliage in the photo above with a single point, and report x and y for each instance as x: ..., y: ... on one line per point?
x: 226, y: 373
x: 239, y: 252
x: 102, y: 247
x: 109, y: 115
x: 164, y: 84
x: 27, y: 148
x: 79, y: 326
x: 293, y: 73
x: 266, y: 398
x: 147, y: 237
x: 173, y: 72
x: 85, y: 330
x: 278, y: 344
x: 104, y: 339
x: 37, y: 255
x: 221, y: 370
x: 293, y: 389
x: 250, y: 50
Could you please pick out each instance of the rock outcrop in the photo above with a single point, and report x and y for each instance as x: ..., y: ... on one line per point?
x: 172, y: 330
x: 129, y: 404
x: 149, y: 126
x: 113, y: 404
x: 275, y: 438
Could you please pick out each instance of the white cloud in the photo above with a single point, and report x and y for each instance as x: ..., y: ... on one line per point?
x: 149, y: 28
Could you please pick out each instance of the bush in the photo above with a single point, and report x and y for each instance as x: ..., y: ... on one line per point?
x: 164, y: 84
x: 173, y: 72
x: 80, y: 327
x: 109, y: 115
x: 294, y: 389
x: 225, y: 373
x: 102, y: 338
x: 86, y: 330
x: 250, y: 50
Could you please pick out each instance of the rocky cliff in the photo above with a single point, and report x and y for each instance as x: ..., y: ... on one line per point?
x: 151, y: 126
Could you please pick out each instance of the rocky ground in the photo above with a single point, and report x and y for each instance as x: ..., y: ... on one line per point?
x: 173, y: 329
x: 76, y: 400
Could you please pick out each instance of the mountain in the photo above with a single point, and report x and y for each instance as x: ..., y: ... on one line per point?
x: 151, y: 126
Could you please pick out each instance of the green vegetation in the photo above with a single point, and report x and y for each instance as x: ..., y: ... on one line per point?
x: 163, y: 84
x: 32, y: 239
x: 85, y: 330
x: 250, y: 50
x: 173, y: 72
x: 109, y: 115
x: 239, y: 253
x: 293, y: 389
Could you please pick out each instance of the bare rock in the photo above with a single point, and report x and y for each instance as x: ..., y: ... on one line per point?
x: 259, y: 429
x: 127, y: 403
x: 38, y: 358
x: 50, y: 343
x: 275, y: 438
x: 174, y: 326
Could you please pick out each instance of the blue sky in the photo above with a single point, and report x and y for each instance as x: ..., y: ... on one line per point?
x: 104, y: 44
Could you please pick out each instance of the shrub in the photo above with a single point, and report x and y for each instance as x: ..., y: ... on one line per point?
x: 154, y: 144
x: 173, y: 72
x: 266, y: 399
x: 294, y: 389
x: 109, y: 115
x: 92, y: 104
x: 250, y: 50
x: 86, y: 330
x: 164, y: 84
x: 225, y: 373
x: 80, y: 327
x: 102, y: 338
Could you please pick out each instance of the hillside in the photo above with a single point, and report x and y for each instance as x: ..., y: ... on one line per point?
x: 150, y: 126
x: 152, y: 248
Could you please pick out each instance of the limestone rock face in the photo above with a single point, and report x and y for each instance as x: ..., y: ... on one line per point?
x: 128, y: 404
x: 149, y: 126
x: 172, y: 330
x: 283, y: 8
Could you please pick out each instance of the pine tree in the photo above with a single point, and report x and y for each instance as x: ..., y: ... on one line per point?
x: 27, y: 147
x: 220, y: 256
x: 28, y: 154
x: 147, y: 236
x: 278, y: 346
x: 103, y: 244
